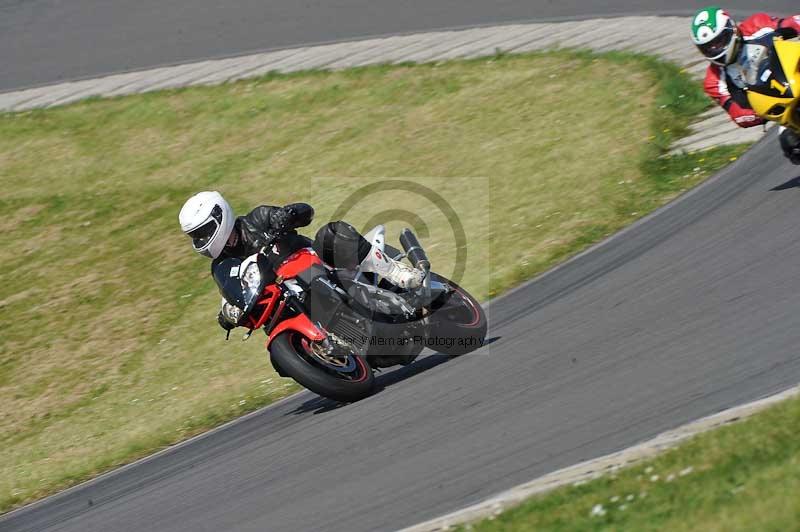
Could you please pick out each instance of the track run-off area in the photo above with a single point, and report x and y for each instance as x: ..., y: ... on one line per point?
x: 690, y: 311
x: 49, y: 41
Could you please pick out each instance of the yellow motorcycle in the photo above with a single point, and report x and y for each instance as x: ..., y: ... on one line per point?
x: 771, y: 72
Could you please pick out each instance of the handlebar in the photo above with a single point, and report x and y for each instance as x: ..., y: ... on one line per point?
x: 271, y: 238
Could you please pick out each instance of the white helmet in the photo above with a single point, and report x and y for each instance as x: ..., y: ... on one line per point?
x: 208, y: 220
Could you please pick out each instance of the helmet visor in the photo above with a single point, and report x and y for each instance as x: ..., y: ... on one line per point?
x: 719, y: 44
x: 203, y: 235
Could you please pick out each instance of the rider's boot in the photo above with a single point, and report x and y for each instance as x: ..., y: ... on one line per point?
x: 396, y: 272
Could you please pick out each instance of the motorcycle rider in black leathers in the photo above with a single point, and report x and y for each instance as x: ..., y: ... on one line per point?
x: 208, y: 220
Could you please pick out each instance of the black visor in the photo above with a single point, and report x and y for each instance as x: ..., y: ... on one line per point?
x: 719, y: 44
x: 203, y: 234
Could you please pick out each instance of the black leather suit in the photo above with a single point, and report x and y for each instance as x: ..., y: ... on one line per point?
x: 254, y: 230
x: 337, y: 243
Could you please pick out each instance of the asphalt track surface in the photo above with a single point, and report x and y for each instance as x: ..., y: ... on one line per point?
x: 688, y: 312
x: 48, y: 41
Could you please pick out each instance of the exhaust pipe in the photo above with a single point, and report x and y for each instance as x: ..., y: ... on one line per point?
x: 416, y: 255
x: 414, y: 252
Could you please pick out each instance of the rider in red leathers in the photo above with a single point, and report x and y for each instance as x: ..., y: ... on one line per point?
x: 722, y: 42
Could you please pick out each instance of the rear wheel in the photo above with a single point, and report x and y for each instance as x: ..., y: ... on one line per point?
x: 329, y: 372
x: 458, y: 324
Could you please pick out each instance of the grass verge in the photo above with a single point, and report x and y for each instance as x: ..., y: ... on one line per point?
x: 109, y: 348
x: 744, y: 476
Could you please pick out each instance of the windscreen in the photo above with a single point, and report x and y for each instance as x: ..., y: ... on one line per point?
x: 755, y: 64
x: 226, y: 275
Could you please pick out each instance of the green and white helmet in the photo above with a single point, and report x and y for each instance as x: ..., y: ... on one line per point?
x: 715, y: 33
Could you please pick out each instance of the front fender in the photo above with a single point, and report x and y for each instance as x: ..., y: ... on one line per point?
x: 301, y: 324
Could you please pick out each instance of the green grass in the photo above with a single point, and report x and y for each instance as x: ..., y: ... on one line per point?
x: 744, y: 476
x: 109, y: 346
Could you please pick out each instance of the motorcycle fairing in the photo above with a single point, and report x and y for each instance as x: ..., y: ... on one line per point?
x: 298, y: 262
x: 774, y: 95
x: 227, y: 276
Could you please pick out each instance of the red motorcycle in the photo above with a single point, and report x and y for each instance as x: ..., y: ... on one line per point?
x: 329, y: 329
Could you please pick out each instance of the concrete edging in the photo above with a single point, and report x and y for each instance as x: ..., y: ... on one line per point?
x: 664, y: 37
x: 598, y: 467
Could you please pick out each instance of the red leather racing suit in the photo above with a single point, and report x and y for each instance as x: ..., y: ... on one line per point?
x: 719, y: 83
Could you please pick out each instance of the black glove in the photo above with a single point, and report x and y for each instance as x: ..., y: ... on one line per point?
x: 281, y: 219
x: 786, y: 33
x: 225, y: 324
x: 790, y: 144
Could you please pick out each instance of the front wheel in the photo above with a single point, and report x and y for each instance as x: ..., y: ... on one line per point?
x: 458, y: 324
x: 343, y: 377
